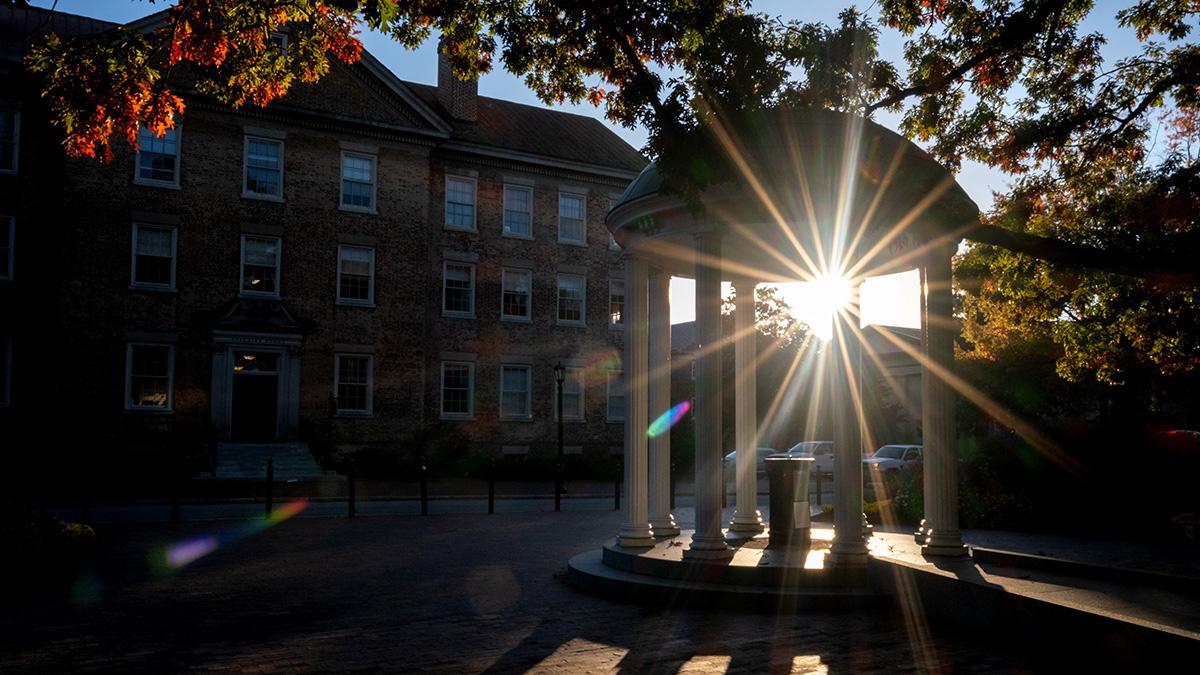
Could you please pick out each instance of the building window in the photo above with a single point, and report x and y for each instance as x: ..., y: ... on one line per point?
x: 158, y: 157
x: 571, y: 219
x: 358, y: 182
x: 460, y: 203
x: 616, y: 302
x: 263, y: 171
x: 10, y: 140
x: 153, y: 257
x: 516, y: 295
x: 515, y: 392
x: 8, y: 237
x: 458, y: 289
x: 572, y: 388
x: 149, y: 371
x: 280, y: 41
x: 356, y: 275
x: 616, y: 396
x: 260, y: 265
x: 571, y: 299
x: 352, y: 375
x: 458, y: 387
x: 518, y: 211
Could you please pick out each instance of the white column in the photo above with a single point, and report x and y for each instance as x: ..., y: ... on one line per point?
x: 937, y: 411
x: 635, y: 531
x: 746, y: 518
x: 922, y: 530
x: 849, y: 548
x: 708, y: 542
x: 661, y: 520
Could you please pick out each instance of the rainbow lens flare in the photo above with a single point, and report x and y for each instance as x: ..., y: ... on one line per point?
x: 186, y: 552
x: 670, y: 418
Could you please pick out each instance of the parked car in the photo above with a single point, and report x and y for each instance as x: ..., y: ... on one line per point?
x: 760, y: 467
x: 820, y: 451
x: 894, y: 458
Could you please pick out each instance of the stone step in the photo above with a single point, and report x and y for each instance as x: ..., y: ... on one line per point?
x: 292, y: 461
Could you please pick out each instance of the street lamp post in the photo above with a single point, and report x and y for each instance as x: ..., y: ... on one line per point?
x: 559, y: 374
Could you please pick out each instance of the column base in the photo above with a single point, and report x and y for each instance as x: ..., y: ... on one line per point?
x: 747, y: 523
x: 708, y: 549
x: 945, y: 545
x: 847, y: 558
x: 636, y: 537
x: 664, y: 527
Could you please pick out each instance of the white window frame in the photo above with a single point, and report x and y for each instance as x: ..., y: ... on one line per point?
x: 582, y: 303
x: 11, y: 243
x: 280, y: 40
x: 353, y: 208
x: 504, y: 226
x: 455, y: 313
x: 610, y: 377
x: 356, y: 302
x: 474, y: 204
x: 337, y: 380
x: 16, y: 161
x: 145, y: 285
x: 470, y: 414
x: 583, y: 227
x: 528, y: 316
x: 129, y: 406
x: 150, y: 182
x: 528, y: 414
x: 577, y: 374
x: 617, y: 325
x: 278, y: 269
x: 246, y: 192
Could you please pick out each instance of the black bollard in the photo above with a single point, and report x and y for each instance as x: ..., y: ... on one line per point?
x: 672, y: 487
x: 350, y: 493
x: 270, y: 484
x: 492, y: 489
x: 424, y: 490
x: 617, y: 487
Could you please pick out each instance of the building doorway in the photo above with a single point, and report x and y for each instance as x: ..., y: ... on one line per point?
x: 254, y: 404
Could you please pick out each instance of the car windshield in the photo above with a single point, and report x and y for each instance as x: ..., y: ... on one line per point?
x: 890, y: 452
x: 809, y: 447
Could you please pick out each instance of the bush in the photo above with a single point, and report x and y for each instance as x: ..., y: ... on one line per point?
x: 41, y: 552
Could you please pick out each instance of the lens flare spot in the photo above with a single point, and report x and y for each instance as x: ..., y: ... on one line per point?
x: 186, y: 552
x: 670, y: 418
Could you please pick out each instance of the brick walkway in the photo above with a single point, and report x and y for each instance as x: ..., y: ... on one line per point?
x: 448, y: 593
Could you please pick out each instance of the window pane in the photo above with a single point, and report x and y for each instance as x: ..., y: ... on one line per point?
x: 157, y: 156
x: 358, y: 181
x: 460, y: 203
x: 517, y: 210
x: 353, y: 383
x: 514, y: 391
x: 570, y: 218
x: 456, y: 388
x: 516, y: 294
x: 457, y: 289
x: 260, y: 265
x: 152, y: 260
x: 616, y: 302
x: 8, y: 139
x: 570, y: 298
x: 616, y: 396
x: 354, y: 277
x: 149, y: 376
x: 263, y: 166
x: 573, y: 394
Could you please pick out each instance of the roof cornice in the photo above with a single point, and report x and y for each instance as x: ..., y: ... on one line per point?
x: 542, y: 160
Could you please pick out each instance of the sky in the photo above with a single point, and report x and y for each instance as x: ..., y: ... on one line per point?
x: 891, y: 301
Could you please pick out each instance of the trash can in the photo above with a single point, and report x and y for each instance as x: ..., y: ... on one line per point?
x: 788, y: 481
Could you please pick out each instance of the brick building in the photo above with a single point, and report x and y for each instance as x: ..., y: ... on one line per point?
x: 368, y: 262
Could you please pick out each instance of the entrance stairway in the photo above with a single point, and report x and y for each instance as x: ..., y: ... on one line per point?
x: 248, y: 461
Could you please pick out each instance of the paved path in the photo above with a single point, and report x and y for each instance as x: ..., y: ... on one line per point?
x: 449, y: 593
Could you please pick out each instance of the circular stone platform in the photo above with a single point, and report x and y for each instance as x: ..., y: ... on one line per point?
x: 755, y: 578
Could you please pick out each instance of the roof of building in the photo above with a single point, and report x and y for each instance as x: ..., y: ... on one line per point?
x: 20, y: 26
x: 501, y: 125
x: 538, y: 131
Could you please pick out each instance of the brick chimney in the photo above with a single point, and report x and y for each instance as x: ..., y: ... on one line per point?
x: 460, y: 98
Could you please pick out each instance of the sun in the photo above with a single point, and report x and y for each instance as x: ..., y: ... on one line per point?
x: 815, y: 302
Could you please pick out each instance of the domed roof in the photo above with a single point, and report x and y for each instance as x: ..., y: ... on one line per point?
x: 813, y: 169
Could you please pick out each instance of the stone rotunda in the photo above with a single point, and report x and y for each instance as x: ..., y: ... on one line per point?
x: 817, y: 193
